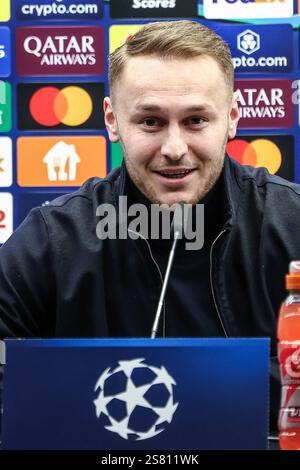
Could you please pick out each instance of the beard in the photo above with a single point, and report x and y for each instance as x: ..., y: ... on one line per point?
x: 206, y: 182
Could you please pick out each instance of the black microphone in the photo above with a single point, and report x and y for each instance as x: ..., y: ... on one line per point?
x: 178, y: 226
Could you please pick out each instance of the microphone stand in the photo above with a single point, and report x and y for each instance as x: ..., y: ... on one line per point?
x: 165, y: 283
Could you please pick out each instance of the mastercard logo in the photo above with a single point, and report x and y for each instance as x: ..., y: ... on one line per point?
x: 259, y: 152
x: 71, y: 106
x: 60, y: 105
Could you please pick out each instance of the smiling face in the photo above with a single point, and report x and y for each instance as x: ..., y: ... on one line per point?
x: 173, y: 119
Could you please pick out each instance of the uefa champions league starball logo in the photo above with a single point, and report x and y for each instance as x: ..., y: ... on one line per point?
x: 135, y: 399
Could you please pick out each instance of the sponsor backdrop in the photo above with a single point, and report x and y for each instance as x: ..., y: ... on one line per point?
x: 53, y: 77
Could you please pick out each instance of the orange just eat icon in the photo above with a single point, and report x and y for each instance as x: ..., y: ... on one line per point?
x: 60, y: 160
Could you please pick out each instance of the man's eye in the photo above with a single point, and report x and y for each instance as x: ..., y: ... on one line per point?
x: 151, y: 122
x: 196, y: 120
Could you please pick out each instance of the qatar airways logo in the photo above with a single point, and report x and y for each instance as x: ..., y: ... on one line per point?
x: 53, y: 50
x: 265, y: 103
x: 229, y: 9
x: 60, y: 51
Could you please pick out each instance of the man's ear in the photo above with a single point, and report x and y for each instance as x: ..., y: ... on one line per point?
x: 110, y: 120
x: 234, y: 116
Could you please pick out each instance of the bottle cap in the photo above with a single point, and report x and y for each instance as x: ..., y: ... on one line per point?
x: 292, y: 280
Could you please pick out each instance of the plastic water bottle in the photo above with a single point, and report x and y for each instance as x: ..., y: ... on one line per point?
x: 288, y: 334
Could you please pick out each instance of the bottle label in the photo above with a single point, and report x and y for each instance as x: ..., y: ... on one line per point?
x: 289, y: 416
x: 289, y: 359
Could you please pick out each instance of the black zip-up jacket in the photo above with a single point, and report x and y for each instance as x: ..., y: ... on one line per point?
x: 57, y: 277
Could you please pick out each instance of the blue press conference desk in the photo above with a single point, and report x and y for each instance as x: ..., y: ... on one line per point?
x: 136, y: 394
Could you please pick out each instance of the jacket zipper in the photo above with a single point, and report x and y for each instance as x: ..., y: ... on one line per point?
x: 211, y: 281
x: 210, y: 276
x: 160, y: 275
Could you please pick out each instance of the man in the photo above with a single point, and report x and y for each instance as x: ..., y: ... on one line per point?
x: 173, y: 109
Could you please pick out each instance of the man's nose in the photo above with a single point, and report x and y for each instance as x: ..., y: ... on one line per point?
x: 174, y: 145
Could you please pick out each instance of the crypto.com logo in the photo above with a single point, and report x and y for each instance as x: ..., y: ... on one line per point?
x: 58, y: 9
x: 248, y: 42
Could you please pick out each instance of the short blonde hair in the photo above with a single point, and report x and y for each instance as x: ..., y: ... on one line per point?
x: 172, y: 39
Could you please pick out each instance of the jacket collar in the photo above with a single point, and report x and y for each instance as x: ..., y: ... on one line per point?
x: 232, y: 177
